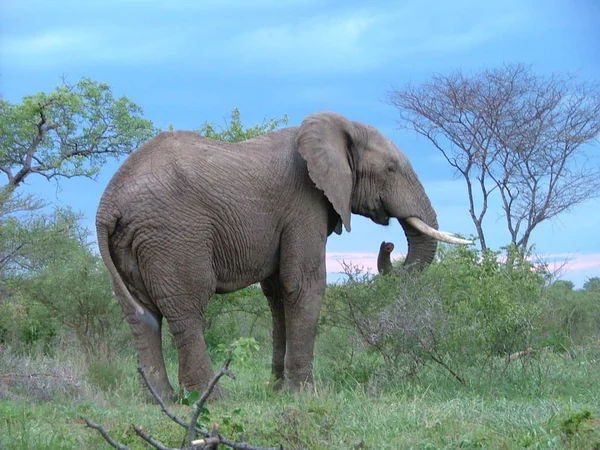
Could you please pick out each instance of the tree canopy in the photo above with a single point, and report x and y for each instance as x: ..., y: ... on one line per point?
x: 234, y: 130
x: 512, y: 135
x: 69, y: 132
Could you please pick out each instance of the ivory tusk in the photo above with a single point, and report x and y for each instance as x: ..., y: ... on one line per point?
x: 443, y: 236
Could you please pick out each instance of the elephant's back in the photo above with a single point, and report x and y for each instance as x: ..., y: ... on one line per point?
x: 181, y: 169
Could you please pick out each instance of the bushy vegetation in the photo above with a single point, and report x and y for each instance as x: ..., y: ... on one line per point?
x: 481, y: 350
x: 402, y: 361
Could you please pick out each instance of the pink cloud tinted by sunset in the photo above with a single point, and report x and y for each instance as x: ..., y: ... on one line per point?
x: 573, y: 262
x: 366, y: 260
x: 566, y: 262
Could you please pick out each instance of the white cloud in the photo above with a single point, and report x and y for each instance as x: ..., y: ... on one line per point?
x: 320, y: 43
x: 295, y: 39
x: 368, y: 38
x: 60, y: 46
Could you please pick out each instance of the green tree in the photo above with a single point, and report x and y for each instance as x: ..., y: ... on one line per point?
x: 592, y: 285
x: 234, y: 130
x: 69, y: 132
x: 30, y: 243
x: 57, y: 285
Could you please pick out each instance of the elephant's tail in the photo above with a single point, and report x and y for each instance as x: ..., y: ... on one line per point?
x: 103, y: 230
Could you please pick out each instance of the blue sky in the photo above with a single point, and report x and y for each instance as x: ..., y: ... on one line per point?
x: 186, y: 62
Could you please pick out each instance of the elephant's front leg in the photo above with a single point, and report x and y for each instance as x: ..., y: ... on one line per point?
x: 272, y: 290
x: 303, y: 291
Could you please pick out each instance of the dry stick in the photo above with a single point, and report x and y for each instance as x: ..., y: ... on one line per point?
x: 528, y: 351
x: 208, y: 442
x: 434, y: 355
x: 148, y: 438
x: 197, y: 410
x: 164, y: 407
x: 514, y: 356
x: 105, y: 435
x: 205, y: 433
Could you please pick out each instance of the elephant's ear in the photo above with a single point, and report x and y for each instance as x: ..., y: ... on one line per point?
x: 325, y: 141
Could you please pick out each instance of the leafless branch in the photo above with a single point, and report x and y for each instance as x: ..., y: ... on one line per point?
x: 211, y: 439
x: 197, y: 408
x: 105, y: 435
x: 511, y: 133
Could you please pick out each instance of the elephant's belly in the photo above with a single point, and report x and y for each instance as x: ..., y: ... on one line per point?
x: 245, y: 265
x: 230, y: 282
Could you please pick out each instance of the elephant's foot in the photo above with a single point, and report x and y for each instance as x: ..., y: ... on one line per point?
x: 161, y: 387
x: 298, y: 383
x: 216, y: 394
x: 298, y: 386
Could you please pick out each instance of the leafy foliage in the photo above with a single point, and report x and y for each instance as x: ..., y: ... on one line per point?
x: 68, y: 132
x: 234, y: 130
x: 56, y: 283
x: 467, y: 308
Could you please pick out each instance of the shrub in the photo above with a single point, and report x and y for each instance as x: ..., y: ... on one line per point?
x: 77, y: 294
x: 492, y: 299
x: 244, y: 313
x: 570, y: 317
x: 465, y: 309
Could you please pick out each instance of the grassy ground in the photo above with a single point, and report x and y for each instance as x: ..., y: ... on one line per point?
x: 544, y: 402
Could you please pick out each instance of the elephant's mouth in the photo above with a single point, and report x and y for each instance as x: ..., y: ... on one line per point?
x: 382, y: 219
x: 380, y: 216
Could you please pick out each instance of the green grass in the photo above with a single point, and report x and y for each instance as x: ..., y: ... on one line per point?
x: 546, y: 402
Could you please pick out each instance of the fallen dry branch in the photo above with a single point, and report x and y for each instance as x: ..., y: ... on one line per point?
x: 527, y: 352
x: 105, y: 435
x: 8, y: 376
x: 211, y: 440
x: 197, y: 409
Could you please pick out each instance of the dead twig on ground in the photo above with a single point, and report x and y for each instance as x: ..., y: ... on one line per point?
x: 210, y: 440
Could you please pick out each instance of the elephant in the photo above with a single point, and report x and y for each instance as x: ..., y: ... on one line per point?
x: 185, y: 217
x: 384, y: 262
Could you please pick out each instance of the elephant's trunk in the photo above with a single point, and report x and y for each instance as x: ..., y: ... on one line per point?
x: 421, y: 247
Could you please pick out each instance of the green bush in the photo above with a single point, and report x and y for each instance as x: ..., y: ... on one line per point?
x: 465, y: 309
x: 492, y: 299
x: 27, y: 327
x: 570, y: 317
x: 77, y: 295
x: 244, y: 313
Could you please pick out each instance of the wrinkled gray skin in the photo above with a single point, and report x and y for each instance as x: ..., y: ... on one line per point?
x: 186, y: 217
x: 384, y: 260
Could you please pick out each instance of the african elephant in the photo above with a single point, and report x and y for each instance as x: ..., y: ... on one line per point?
x: 384, y: 260
x: 185, y: 217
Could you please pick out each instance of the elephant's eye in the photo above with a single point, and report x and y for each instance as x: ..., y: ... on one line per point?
x: 391, y: 168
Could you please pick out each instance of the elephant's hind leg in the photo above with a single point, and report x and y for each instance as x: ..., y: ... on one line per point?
x: 181, y: 290
x: 272, y: 290
x: 185, y: 316
x: 147, y: 339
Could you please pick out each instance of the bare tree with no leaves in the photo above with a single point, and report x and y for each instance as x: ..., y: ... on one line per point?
x: 514, y: 134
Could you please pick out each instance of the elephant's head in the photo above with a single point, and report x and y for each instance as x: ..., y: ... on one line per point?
x: 362, y: 172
